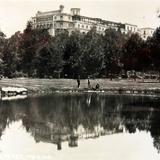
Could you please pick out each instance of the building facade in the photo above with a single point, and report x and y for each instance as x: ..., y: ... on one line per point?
x: 146, y: 32
x: 59, y: 20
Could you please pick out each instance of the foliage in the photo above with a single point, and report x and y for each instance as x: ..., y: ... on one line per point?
x: 34, y: 53
x: 113, y: 42
x: 92, y: 53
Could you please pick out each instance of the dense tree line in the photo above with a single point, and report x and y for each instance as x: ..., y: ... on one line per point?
x: 34, y: 53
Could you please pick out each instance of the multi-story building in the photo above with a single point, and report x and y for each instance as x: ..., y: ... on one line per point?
x: 146, y: 32
x: 58, y: 20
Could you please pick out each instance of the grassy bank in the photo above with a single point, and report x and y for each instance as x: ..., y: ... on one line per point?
x: 52, y: 85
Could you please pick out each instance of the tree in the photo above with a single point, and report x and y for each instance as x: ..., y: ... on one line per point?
x: 2, y: 45
x: 10, y: 55
x: 92, y: 53
x: 154, y: 45
x: 31, y: 41
x: 59, y: 44
x: 131, y: 51
x: 73, y: 55
x: 113, y: 42
x: 49, y: 57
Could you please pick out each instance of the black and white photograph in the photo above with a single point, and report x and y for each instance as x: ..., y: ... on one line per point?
x: 79, y: 80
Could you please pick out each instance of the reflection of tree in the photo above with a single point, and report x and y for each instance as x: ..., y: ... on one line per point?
x: 155, y: 129
x: 135, y: 115
x: 111, y: 118
x: 66, y: 117
x: 3, y: 120
x: 156, y: 143
x: 6, y: 116
x: 91, y: 113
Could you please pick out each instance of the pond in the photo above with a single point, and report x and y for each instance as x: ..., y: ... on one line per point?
x: 80, y: 126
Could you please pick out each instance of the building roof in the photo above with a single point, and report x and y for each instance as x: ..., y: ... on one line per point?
x: 39, y: 13
x: 130, y: 24
x: 147, y: 28
x: 80, y: 17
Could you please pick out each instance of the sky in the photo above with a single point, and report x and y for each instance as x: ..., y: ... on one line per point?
x: 14, y: 14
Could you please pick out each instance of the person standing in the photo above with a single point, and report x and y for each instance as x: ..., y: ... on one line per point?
x: 78, y: 81
x: 89, y: 84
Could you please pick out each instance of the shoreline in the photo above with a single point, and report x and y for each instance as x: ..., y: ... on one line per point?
x: 50, y: 86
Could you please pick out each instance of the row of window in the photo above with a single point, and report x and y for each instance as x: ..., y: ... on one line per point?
x: 129, y: 28
x: 44, y: 26
x: 90, y: 27
x: 49, y: 18
x: 67, y: 25
x: 61, y: 17
x: 149, y: 32
x: 99, y: 22
x: 60, y: 24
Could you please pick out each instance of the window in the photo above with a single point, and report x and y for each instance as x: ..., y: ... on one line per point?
x: 87, y: 27
x: 82, y: 26
x: 78, y: 25
x: 70, y: 25
x: 61, y: 24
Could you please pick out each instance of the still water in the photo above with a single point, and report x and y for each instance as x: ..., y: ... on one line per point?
x: 80, y: 126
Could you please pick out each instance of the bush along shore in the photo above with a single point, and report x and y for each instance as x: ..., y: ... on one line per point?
x: 50, y: 86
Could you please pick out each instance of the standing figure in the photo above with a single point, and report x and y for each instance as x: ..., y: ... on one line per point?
x: 78, y: 82
x: 97, y: 86
x: 89, y: 84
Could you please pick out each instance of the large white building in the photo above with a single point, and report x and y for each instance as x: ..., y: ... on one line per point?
x: 58, y: 20
x: 146, y: 32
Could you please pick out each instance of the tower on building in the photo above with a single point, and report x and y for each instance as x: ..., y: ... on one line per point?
x: 61, y: 8
x: 75, y: 11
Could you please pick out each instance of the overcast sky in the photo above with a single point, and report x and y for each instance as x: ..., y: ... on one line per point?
x: 15, y: 13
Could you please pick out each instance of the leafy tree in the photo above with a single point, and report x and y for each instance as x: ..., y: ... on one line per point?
x: 72, y: 55
x: 2, y: 45
x: 154, y: 45
x: 92, y: 53
x: 32, y: 40
x: 49, y: 57
x: 144, y: 58
x: 113, y: 42
x: 10, y: 55
x: 131, y: 51
x: 59, y: 44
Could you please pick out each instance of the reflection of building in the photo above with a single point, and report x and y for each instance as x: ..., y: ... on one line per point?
x: 49, y: 133
x: 58, y: 20
x: 146, y: 32
x: 73, y: 140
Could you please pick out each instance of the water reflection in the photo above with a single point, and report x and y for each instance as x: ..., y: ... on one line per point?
x: 71, y: 117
